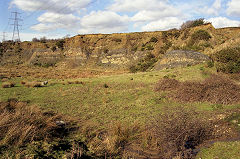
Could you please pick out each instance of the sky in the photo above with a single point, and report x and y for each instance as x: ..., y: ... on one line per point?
x: 59, y: 18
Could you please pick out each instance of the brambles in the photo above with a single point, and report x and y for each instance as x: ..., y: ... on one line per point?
x: 215, y: 89
x: 179, y: 130
x: 167, y: 84
x: 228, y: 60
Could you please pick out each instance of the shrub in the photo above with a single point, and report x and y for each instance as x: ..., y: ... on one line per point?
x: 21, y: 124
x: 215, y: 89
x: 105, y: 85
x: 134, y: 49
x: 210, y: 64
x: 144, y: 64
x: 117, y: 40
x: 35, y: 40
x: 23, y: 82
x: 154, y: 40
x: 150, y: 47
x: 192, y: 23
x: 34, y: 84
x: 27, y: 131
x: 180, y: 130
x: 43, y: 39
x: 228, y: 60
x: 201, y: 35
x: 60, y: 44
x: 8, y: 84
x: 166, y: 84
x: 54, y: 48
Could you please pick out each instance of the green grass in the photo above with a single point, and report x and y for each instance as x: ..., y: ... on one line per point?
x: 221, y: 150
x: 129, y: 98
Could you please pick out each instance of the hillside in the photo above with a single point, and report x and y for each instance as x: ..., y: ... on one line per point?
x: 116, y: 50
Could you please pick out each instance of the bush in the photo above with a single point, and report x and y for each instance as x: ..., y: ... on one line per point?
x: 60, y: 44
x: 27, y: 131
x: 21, y: 124
x: 192, y: 23
x: 54, y: 48
x: 215, y: 89
x: 43, y: 39
x: 35, y: 40
x: 228, y: 60
x: 154, y: 40
x: 144, y: 64
x: 8, y: 85
x: 180, y: 130
x: 33, y: 84
x: 201, y: 35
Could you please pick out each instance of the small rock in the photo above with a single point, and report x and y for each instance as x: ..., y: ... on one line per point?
x: 60, y: 123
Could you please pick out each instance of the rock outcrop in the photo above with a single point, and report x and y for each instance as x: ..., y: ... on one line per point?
x: 180, y: 58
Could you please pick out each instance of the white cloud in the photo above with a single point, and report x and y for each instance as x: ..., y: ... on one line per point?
x: 51, y: 5
x: 50, y: 21
x: 221, y: 22
x: 58, y: 13
x: 163, y: 24
x: 149, y: 15
x: 136, y: 5
x: 214, y: 9
x: 104, y: 22
x: 233, y: 8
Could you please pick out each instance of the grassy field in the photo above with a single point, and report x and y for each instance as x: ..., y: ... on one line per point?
x: 125, y: 98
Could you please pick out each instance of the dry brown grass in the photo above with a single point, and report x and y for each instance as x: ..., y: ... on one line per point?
x: 21, y: 124
x: 215, y: 89
x: 51, y: 73
x: 33, y: 84
x: 75, y: 82
x: 112, y: 141
x: 8, y: 84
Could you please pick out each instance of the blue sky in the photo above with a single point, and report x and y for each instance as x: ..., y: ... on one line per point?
x: 58, y: 18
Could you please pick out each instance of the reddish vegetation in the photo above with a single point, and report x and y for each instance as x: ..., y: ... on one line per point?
x: 167, y: 84
x: 215, y: 89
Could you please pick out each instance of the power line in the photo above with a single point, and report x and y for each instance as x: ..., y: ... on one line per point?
x: 59, y: 11
x: 15, y: 26
x: 4, y: 36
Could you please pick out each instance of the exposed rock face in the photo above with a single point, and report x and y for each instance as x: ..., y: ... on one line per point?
x: 180, y: 58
